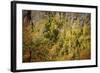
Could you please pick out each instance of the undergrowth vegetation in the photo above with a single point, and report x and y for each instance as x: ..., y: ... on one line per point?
x: 56, y: 36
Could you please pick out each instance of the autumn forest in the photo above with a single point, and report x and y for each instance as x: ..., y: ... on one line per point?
x: 56, y: 36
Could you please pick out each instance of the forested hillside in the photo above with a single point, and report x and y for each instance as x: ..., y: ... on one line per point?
x: 56, y: 36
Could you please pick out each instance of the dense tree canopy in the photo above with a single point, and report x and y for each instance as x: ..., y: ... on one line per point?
x: 56, y: 36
